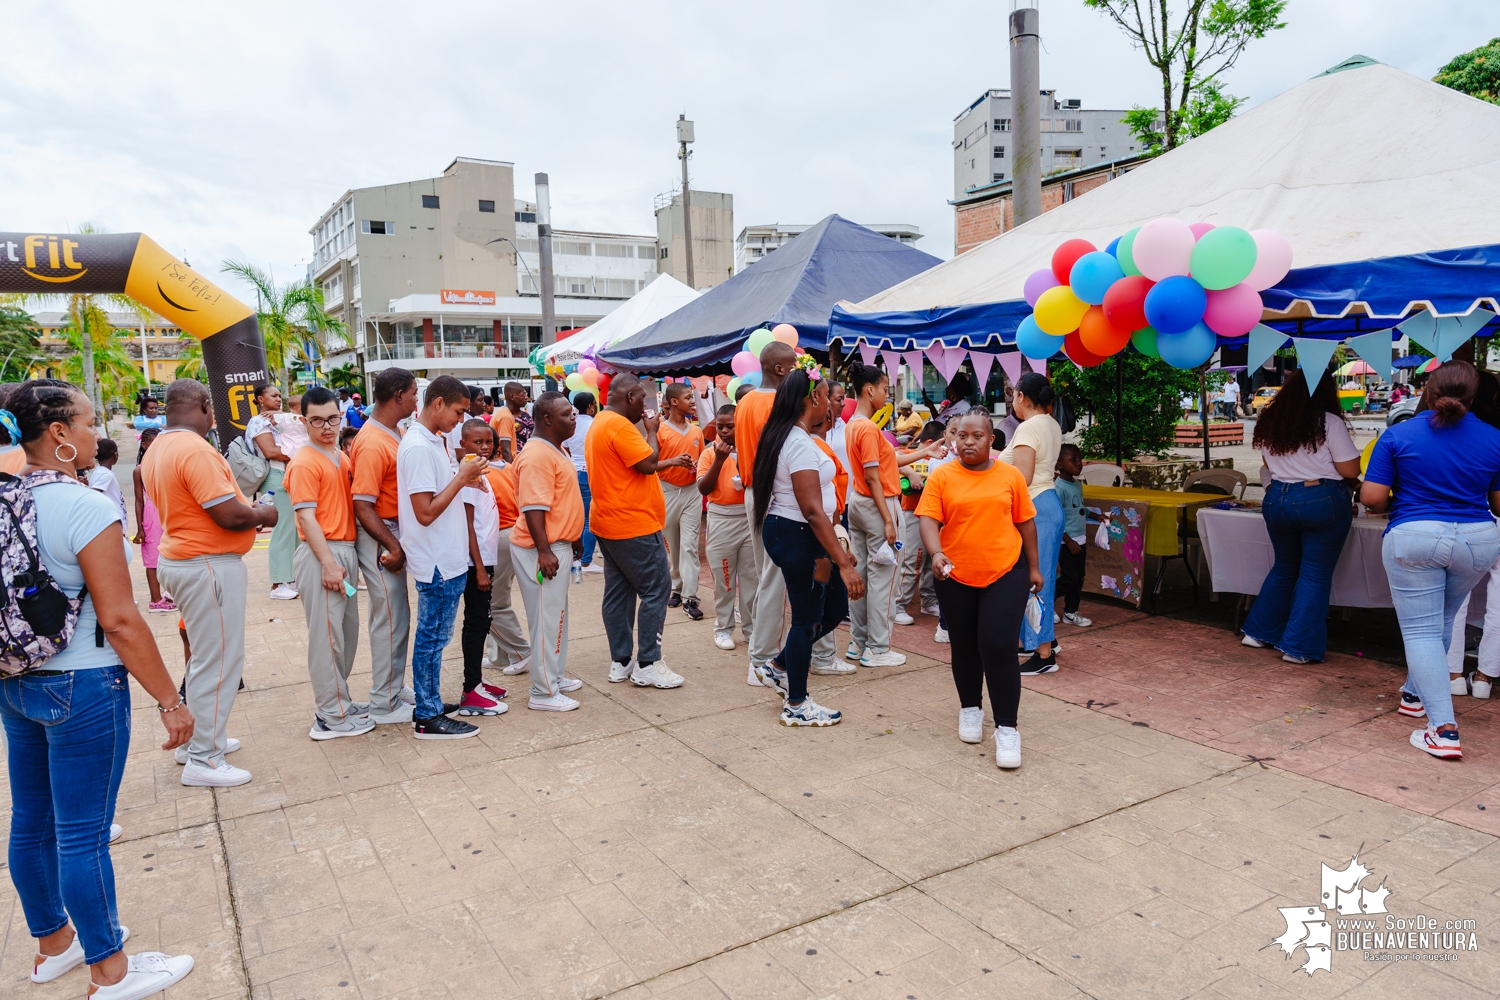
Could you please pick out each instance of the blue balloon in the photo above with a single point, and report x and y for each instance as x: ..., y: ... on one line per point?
x: 1112, y: 244
x: 1188, y: 349
x: 751, y: 378
x: 1033, y: 343
x: 1175, y: 304
x: 1092, y: 275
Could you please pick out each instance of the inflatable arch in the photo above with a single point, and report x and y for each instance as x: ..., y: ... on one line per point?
x: 234, y: 355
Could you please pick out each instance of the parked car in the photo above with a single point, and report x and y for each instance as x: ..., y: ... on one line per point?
x: 1402, y: 411
x: 1263, y: 397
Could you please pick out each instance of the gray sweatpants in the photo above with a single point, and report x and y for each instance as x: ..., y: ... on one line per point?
x: 635, y: 569
x: 210, y: 593
x: 916, y: 564
x: 546, y: 606
x: 504, y: 625
x: 390, y: 622
x: 731, y: 558
x: 870, y: 617
x: 770, y: 596
x: 332, y: 628
x: 684, y: 520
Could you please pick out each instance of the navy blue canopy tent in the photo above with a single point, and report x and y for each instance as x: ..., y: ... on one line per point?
x: 798, y: 284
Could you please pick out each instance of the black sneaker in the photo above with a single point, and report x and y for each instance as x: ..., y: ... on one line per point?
x: 675, y: 601
x: 1037, y: 665
x: 442, y: 728
x: 691, y: 607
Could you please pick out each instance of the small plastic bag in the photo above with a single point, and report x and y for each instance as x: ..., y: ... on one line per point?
x: 1101, y: 537
x: 1034, y: 613
x: 884, y: 556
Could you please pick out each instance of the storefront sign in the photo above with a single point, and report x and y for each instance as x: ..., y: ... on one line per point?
x: 466, y: 296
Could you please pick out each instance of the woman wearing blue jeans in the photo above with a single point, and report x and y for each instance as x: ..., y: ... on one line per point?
x: 1308, y: 508
x: 1439, y: 476
x: 67, y: 723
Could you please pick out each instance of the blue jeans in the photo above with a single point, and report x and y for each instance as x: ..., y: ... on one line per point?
x: 1049, y: 535
x: 437, y: 605
x: 588, y: 502
x: 817, y: 608
x: 1308, y: 526
x: 66, y: 738
x: 1432, y: 566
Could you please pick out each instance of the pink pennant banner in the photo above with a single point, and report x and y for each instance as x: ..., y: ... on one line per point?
x: 982, y: 365
x: 867, y: 351
x: 1038, y: 365
x: 1011, y: 365
x: 946, y: 359
x: 913, y: 361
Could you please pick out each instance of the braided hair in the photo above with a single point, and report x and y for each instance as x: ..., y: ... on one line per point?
x: 37, y: 403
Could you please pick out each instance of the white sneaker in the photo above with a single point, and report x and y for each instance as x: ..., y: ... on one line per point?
x: 620, y: 671
x: 890, y: 658
x: 408, y: 696
x: 809, y: 713
x: 355, y: 725
x: 491, y: 655
x: 401, y: 714
x: 181, y: 753
x: 853, y: 652
x: 1056, y: 618
x: 116, y: 831
x: 555, y: 703
x: 150, y: 973
x: 1480, y: 686
x: 1459, y: 686
x: 971, y: 725
x: 940, y: 634
x: 1007, y: 747
x: 902, y: 618
x: 835, y: 668
x: 931, y: 609
x: 53, y: 966
x: 723, y: 640
x: 1252, y: 643
x: 657, y: 675
x: 593, y: 568
x: 519, y: 667
x: 283, y: 592
x: 1075, y: 619
x: 224, y: 776
x: 569, y: 683
x: 751, y: 679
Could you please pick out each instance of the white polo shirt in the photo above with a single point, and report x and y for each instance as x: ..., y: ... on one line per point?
x: 423, y: 466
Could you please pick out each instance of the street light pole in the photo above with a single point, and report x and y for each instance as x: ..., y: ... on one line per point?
x: 685, y: 136
x: 544, y: 250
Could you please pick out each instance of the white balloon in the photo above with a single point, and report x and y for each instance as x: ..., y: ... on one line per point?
x: 1273, y: 259
x: 1163, y: 248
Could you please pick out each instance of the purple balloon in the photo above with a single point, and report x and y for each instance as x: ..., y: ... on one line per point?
x: 1037, y: 283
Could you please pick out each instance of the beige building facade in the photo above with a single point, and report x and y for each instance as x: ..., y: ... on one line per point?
x: 713, y: 237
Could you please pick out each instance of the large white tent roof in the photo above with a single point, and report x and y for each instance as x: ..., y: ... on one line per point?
x: 665, y: 295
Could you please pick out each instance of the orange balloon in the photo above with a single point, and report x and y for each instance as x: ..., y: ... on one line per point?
x: 1080, y: 355
x: 786, y: 333
x: 1100, y: 337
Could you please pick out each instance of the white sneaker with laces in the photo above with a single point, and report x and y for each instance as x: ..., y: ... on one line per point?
x: 657, y: 675
x: 724, y: 640
x: 519, y: 667
x: 971, y: 725
x: 853, y: 652
x: 555, y: 703
x: 931, y: 609
x: 1481, y: 685
x: 53, y: 966
x: 809, y: 713
x: 226, y: 775
x: 401, y: 714
x: 1078, y: 621
x: 116, y: 831
x: 569, y: 684
x: 890, y: 658
x: 772, y: 676
x: 283, y: 592
x: 620, y: 671
x: 1458, y: 686
x: 593, y: 568
x: 902, y: 618
x: 1007, y: 747
x: 940, y: 634
x: 751, y: 679
x: 181, y: 753
x: 150, y: 973
x: 834, y: 668
x: 408, y: 696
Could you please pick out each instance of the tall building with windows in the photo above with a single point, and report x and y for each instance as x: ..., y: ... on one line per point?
x: 1072, y: 137
x: 713, y: 237
x: 758, y: 242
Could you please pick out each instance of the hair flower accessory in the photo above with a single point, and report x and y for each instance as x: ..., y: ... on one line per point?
x: 808, y: 364
x: 8, y: 421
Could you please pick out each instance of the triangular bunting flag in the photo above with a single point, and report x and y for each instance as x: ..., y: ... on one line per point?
x: 1375, y: 349
x: 953, y: 359
x: 1313, y: 357
x: 938, y: 355
x: 1442, y: 335
x: 982, y: 365
x: 867, y: 351
x: 1011, y: 365
x: 1038, y: 365
x: 1263, y: 343
x: 913, y: 361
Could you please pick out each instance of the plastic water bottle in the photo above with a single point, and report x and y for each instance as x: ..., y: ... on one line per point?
x: 268, y: 500
x: 577, y: 571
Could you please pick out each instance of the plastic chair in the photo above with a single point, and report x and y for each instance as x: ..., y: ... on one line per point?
x: 1101, y: 474
x: 1231, y: 481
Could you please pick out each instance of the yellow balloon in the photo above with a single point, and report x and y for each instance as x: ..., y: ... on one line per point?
x: 882, y: 416
x: 1058, y: 311
x: 1364, y: 457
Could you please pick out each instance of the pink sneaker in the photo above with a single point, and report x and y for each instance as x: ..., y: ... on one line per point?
x: 475, y: 703
x: 165, y: 604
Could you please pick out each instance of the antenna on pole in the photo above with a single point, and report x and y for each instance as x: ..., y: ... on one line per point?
x: 685, y: 136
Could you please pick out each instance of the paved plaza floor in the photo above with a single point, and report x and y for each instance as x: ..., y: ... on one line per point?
x: 1177, y: 792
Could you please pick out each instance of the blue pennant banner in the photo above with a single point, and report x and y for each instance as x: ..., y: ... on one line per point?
x: 1313, y: 356
x: 1264, y: 342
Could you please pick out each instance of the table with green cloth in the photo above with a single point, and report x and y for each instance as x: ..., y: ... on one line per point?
x: 1167, y: 510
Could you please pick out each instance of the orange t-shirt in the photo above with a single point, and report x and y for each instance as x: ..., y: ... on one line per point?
x: 626, y: 503
x: 312, y: 480
x: 547, y: 478
x: 672, y: 442
x: 503, y: 486
x: 865, y: 445
x: 181, y: 473
x: 724, y: 494
x: 840, y: 476
x: 12, y: 462
x: 374, y: 456
x: 749, y: 420
x: 979, y: 512
x: 504, y: 424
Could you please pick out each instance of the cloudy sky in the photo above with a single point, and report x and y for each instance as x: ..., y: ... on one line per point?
x: 226, y: 131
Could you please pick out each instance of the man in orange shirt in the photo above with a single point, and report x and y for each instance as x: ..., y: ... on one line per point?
x: 679, y: 436
x: 729, y: 546
x: 319, y: 483
x: 623, y: 458
x: 207, y: 527
x: 512, y: 423
x: 381, y: 559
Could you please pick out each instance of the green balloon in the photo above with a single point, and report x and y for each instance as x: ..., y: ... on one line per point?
x: 1223, y: 257
x: 1122, y: 253
x: 758, y: 341
x: 1144, y: 340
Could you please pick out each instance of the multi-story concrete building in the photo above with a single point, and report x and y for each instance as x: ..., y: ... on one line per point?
x: 755, y: 242
x: 987, y: 211
x: 1072, y: 137
x: 713, y: 237
x: 584, y: 264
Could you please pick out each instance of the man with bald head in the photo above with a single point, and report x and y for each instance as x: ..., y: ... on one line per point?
x: 207, y: 527
x: 627, y: 516
x: 776, y: 360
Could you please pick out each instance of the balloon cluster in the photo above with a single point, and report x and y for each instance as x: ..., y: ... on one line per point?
x: 746, y: 364
x: 588, y: 378
x: 1169, y: 288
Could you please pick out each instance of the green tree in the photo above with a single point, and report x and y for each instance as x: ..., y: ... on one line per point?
x: 1207, y: 109
x: 190, y: 359
x: 289, y: 315
x: 1191, y: 50
x: 346, y: 377
x: 19, y: 345
x: 1153, y: 391
x: 1475, y: 73
x: 116, y: 374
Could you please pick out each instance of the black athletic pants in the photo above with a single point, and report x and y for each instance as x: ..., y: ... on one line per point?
x: 984, y: 628
x: 1070, y: 577
x: 476, y: 627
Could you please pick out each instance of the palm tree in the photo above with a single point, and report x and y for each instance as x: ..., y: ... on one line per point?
x: 346, y: 377
x: 18, y: 341
x: 116, y: 374
x: 288, y: 315
x: 189, y: 358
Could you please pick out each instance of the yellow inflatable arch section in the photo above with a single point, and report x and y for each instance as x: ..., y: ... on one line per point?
x: 234, y: 355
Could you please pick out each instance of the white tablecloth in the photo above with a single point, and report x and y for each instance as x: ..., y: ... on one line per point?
x: 1238, y: 550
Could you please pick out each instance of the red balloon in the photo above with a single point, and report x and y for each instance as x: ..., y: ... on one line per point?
x: 1065, y: 256
x: 1099, y: 336
x: 1080, y: 355
x: 850, y: 405
x: 1125, y: 302
x: 603, y: 387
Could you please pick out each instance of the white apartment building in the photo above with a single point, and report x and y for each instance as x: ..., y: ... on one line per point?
x: 757, y: 242
x: 1072, y: 137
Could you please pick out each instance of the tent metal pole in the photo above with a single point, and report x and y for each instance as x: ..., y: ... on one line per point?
x: 1203, y: 412
x: 1120, y: 409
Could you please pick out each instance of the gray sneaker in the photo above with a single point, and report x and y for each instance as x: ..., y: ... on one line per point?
x: 354, y: 725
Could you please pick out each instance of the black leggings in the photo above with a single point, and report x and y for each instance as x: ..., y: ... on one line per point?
x: 984, y: 626
x: 476, y: 627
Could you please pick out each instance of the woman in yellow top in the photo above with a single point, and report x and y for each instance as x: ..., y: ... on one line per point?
x: 1033, y: 451
x: 977, y: 519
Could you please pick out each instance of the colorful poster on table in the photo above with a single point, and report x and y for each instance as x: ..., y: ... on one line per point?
x: 1116, y: 560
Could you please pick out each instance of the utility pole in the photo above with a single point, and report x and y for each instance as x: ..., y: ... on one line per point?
x: 1025, y: 111
x: 685, y: 136
x: 544, y: 250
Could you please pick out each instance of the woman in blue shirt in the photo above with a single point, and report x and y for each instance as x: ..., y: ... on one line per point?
x: 1439, y: 476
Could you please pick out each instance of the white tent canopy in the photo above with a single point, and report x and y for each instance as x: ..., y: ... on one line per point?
x: 663, y: 296
x: 1362, y: 162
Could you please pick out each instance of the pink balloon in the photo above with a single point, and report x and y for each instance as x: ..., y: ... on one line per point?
x: 1234, y: 311
x: 1199, y: 228
x: 1037, y: 283
x: 786, y: 333
x: 1273, y: 259
x: 744, y: 363
x: 1162, y: 248
x: 586, y: 364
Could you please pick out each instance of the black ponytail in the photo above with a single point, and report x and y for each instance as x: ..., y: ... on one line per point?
x: 861, y: 375
x: 786, y: 410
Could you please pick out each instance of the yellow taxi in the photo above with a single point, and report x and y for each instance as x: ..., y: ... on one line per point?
x: 1263, y: 397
